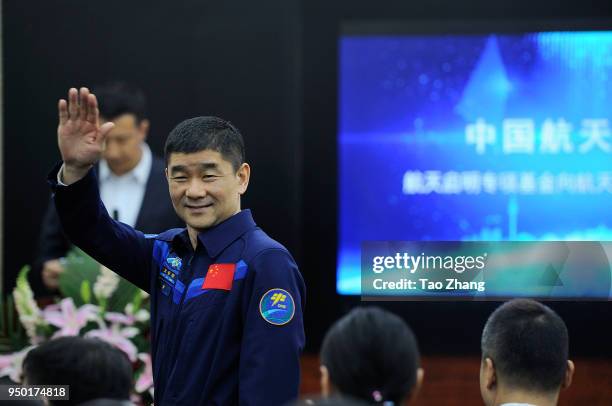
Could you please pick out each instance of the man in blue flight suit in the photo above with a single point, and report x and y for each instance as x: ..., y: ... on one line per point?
x: 226, y: 299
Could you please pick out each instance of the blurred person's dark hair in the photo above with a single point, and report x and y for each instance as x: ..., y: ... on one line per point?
x: 93, y: 369
x: 333, y: 401
x: 202, y: 133
x: 526, y: 345
x: 371, y: 355
x: 118, y: 98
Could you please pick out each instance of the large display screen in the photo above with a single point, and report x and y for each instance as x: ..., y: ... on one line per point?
x: 473, y: 137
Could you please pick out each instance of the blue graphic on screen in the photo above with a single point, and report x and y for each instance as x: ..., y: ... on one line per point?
x: 483, y: 137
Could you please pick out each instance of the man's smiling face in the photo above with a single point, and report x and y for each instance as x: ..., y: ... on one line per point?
x: 204, y: 187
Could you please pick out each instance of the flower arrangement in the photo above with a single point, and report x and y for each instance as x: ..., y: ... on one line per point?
x: 96, y: 303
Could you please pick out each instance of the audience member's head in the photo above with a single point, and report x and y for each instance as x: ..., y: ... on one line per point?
x: 372, y: 355
x: 125, y: 106
x: 92, y: 368
x: 333, y: 401
x: 524, y: 355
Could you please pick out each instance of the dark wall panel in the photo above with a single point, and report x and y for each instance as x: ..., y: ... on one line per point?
x: 235, y: 59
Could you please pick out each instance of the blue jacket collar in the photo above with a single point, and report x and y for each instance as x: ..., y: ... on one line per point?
x: 217, y: 238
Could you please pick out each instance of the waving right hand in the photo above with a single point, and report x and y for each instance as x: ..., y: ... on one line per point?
x: 79, y: 134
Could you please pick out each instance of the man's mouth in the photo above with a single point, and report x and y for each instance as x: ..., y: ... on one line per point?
x: 198, y: 206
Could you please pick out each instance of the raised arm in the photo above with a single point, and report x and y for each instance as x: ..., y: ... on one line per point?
x: 84, y: 218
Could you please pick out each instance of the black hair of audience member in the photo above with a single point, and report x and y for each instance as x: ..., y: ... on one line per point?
x: 118, y: 98
x: 372, y: 355
x: 528, y: 344
x: 333, y: 401
x: 93, y: 368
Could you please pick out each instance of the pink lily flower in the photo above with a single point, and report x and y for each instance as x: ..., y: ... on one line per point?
x: 68, y: 318
x: 118, y: 337
x: 145, y: 380
x: 119, y: 318
x: 10, y: 364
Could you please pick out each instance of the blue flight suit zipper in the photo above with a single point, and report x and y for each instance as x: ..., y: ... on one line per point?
x: 185, y: 278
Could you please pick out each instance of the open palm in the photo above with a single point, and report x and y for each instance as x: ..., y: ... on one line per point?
x: 79, y: 134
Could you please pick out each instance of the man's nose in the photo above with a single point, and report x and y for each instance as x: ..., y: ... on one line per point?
x: 111, y: 151
x: 196, y: 189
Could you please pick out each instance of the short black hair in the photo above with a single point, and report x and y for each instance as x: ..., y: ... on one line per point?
x: 93, y: 369
x: 371, y: 354
x: 331, y: 401
x: 118, y: 98
x: 528, y: 344
x: 201, y: 133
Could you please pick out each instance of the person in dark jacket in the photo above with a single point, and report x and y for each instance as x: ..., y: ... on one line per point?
x: 226, y: 299
x: 131, y: 179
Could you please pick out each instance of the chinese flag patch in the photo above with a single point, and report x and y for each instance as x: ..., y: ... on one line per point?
x: 219, y: 276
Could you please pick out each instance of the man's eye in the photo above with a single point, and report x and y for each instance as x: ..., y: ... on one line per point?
x: 179, y: 178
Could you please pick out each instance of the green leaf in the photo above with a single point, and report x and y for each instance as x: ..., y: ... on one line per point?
x: 12, y: 334
x: 78, y: 268
x: 22, y: 283
x: 137, y: 302
x: 10, y: 313
x: 124, y: 294
x: 86, y: 291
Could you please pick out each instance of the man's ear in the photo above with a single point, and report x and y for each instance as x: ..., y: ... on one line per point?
x: 490, y: 375
x: 143, y: 127
x: 243, y: 175
x: 325, y: 384
x: 569, y: 374
x: 166, y: 172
